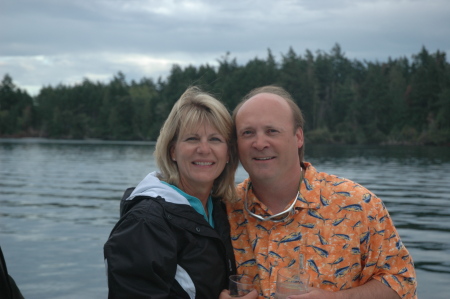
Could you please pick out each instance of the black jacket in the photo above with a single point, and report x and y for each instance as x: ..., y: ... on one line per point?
x: 8, y: 287
x: 162, y: 248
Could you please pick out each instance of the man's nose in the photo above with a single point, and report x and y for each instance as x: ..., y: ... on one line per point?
x: 260, y: 142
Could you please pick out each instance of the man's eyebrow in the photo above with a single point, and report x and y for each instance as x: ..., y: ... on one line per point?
x: 245, y: 128
x: 271, y: 127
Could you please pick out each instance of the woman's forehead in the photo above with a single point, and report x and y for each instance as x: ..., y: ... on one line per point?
x: 196, y: 126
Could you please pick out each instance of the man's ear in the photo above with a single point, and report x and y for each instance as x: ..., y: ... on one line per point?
x: 300, y: 139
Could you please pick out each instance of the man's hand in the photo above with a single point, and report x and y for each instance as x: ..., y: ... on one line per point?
x: 370, y: 290
x: 226, y: 295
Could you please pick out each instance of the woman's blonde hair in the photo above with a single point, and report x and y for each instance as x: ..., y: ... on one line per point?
x: 196, y: 107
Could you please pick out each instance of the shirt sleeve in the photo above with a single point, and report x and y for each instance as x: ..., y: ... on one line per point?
x: 388, y: 260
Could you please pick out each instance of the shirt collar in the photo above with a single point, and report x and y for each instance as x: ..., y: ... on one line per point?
x: 305, y: 200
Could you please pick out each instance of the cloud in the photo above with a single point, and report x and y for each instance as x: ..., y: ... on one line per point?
x: 61, y: 41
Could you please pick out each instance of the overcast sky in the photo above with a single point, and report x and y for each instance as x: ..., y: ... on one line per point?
x: 48, y: 42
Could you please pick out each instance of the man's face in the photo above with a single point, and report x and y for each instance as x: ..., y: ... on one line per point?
x: 267, y: 144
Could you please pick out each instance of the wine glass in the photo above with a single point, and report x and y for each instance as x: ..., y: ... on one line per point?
x: 240, y: 285
x: 291, y: 281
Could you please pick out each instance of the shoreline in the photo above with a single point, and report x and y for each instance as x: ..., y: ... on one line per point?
x: 34, y: 139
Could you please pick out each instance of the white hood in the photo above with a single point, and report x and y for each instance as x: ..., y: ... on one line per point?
x: 153, y: 187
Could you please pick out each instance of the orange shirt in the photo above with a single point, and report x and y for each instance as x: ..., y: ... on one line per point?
x: 343, y: 230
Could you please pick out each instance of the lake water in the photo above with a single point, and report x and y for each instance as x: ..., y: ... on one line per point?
x: 59, y: 201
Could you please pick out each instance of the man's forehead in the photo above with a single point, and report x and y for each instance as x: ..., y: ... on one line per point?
x: 265, y: 96
x: 263, y: 103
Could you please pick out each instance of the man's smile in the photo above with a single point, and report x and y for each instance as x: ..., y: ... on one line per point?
x: 264, y: 158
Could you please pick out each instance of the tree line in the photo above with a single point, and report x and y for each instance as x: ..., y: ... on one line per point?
x: 399, y: 101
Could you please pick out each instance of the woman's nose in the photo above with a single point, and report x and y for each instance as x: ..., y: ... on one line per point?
x: 203, y: 147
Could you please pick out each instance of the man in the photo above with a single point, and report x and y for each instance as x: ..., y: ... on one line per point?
x: 287, y: 209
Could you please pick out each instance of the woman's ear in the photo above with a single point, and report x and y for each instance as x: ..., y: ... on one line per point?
x: 172, y: 153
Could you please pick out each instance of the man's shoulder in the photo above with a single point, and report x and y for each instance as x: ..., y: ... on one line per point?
x: 338, y: 188
x: 236, y: 206
x: 241, y: 188
x: 243, y: 184
x: 332, y: 182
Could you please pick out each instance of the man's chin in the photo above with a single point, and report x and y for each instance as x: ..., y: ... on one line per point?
x: 260, y: 175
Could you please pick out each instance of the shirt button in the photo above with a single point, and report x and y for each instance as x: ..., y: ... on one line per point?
x: 169, y: 217
x: 197, y: 229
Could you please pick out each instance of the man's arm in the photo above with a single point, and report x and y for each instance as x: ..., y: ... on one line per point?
x: 371, y: 290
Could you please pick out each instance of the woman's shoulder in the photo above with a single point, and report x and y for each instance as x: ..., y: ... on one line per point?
x: 142, y: 207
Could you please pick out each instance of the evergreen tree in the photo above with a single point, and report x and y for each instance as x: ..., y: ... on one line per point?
x: 342, y: 100
x: 17, y: 111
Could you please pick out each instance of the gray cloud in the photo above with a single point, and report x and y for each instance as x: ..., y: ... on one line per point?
x: 48, y: 42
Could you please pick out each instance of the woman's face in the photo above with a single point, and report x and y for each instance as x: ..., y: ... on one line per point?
x: 201, y: 155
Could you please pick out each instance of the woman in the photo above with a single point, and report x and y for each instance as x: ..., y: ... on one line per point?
x: 172, y: 240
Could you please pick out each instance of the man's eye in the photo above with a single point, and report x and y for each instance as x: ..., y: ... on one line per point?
x: 246, y: 133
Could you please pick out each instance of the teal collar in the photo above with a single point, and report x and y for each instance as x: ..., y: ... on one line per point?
x: 197, y: 204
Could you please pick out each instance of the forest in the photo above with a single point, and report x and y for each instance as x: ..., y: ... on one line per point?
x: 398, y: 101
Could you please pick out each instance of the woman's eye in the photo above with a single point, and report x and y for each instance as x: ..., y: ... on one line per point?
x: 217, y: 139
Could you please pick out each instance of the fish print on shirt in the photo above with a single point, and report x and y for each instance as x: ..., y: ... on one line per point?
x: 343, y: 230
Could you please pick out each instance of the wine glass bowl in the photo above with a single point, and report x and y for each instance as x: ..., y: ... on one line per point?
x: 291, y: 281
x: 240, y: 285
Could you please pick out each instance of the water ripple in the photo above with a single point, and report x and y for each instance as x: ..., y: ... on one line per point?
x: 59, y: 201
